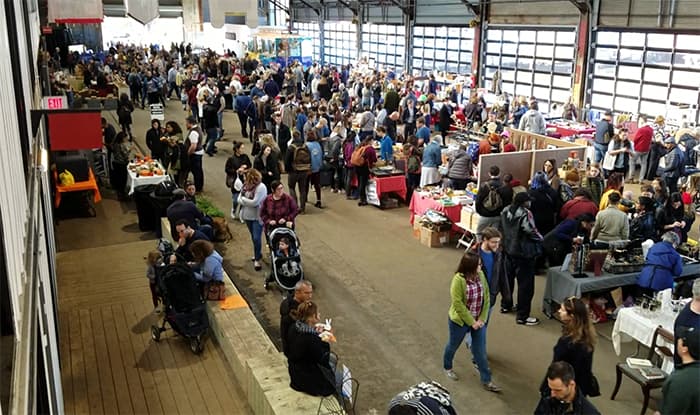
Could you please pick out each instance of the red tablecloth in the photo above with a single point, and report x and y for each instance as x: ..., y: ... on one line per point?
x: 419, y: 204
x: 388, y: 184
x: 568, y: 131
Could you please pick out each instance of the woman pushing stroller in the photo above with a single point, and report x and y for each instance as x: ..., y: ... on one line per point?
x: 278, y: 209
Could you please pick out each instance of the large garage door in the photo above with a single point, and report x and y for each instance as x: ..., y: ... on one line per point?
x: 647, y: 73
x: 442, y: 49
x: 385, y: 44
x: 534, y: 62
x: 340, y: 43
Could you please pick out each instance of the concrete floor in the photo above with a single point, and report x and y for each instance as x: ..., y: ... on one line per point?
x: 388, y: 297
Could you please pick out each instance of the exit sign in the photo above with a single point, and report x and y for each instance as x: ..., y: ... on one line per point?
x: 55, y: 103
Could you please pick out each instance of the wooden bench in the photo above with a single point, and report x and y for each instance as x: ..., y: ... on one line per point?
x: 259, y: 368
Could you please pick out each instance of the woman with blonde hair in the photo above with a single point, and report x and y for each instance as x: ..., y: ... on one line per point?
x: 250, y: 199
x: 576, y: 345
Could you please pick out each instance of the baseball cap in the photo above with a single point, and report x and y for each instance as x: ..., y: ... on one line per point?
x: 691, y: 340
x: 669, y: 140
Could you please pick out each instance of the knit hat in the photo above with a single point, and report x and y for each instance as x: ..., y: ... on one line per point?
x: 179, y: 193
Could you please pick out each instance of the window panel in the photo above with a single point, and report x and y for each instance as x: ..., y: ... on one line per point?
x: 524, y: 77
x: 465, y: 57
x: 656, y: 75
x: 563, y: 67
x: 653, y: 108
x: 631, y: 55
x: 565, y: 37
x: 521, y: 89
x: 627, y: 88
x: 629, y: 72
x: 509, y: 48
x: 660, y: 40
x: 542, y: 94
x: 632, y: 39
x: 686, y: 78
x: 561, y: 81
x: 545, y: 51
x: 658, y: 58
x: 526, y: 50
x: 543, y: 79
x: 508, y: 75
x: 493, y: 47
x: 544, y: 36
x: 606, y: 54
x: 688, y: 42
x: 418, y: 31
x: 608, y: 38
x: 509, y: 87
x: 690, y: 60
x: 564, y: 52
x: 494, y: 34
x: 603, y: 101
x: 603, y: 85
x: 654, y: 92
x: 529, y: 36
x: 604, y: 69
x: 510, y: 36
x: 625, y: 104
x: 686, y: 96
x: 543, y: 65
x: 560, y: 95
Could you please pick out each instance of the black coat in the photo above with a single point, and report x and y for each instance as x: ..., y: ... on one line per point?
x: 286, y: 321
x: 308, y: 358
x: 552, y: 406
x: 499, y: 282
x: 580, y: 358
x: 283, y: 138
x: 154, y: 144
x: 270, y: 170
x: 545, y: 206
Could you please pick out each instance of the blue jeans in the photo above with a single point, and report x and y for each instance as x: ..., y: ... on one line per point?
x: 457, y: 335
x: 212, y: 137
x: 255, y: 228
x: 600, y: 150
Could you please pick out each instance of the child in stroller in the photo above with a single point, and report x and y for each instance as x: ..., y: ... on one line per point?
x: 285, y: 257
x: 183, y: 306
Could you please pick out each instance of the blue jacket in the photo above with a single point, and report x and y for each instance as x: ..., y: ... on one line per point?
x: 241, y: 103
x: 316, y: 155
x: 432, y: 155
x: 386, y: 149
x: 255, y: 91
x: 424, y: 133
x: 301, y: 120
x: 663, y: 264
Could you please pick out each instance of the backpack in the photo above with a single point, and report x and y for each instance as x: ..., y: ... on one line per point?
x: 493, y: 200
x: 301, y: 160
x: 413, y: 165
x: 358, y: 156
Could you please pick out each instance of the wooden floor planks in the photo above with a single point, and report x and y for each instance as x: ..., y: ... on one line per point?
x: 110, y: 364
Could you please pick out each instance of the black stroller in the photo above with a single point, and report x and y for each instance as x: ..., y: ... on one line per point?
x: 286, y: 270
x: 183, y: 306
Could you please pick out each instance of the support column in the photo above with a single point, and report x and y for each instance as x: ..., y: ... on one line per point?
x: 408, y: 34
x: 479, y: 51
x: 578, y: 91
x: 358, y: 35
x: 191, y: 19
x: 322, y: 35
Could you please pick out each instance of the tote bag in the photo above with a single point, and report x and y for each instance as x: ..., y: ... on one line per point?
x: 609, y: 161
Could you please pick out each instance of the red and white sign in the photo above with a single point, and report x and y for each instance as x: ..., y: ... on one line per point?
x: 55, y: 103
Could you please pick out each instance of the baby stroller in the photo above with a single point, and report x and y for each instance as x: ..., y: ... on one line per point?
x: 183, y: 306
x: 286, y: 270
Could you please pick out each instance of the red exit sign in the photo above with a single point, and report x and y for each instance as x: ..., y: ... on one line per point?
x: 55, y: 103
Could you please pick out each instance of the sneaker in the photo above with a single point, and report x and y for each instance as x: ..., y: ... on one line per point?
x: 492, y: 387
x: 233, y: 214
x: 451, y: 374
x: 318, y: 205
x: 530, y: 321
x: 505, y: 310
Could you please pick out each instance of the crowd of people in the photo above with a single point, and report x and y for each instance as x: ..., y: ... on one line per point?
x: 320, y: 126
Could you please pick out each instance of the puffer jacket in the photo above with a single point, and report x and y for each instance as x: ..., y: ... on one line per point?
x: 520, y: 233
x: 663, y: 264
x: 673, y: 160
x: 460, y: 166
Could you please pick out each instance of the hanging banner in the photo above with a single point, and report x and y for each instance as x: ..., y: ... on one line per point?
x: 143, y: 11
x: 71, y: 11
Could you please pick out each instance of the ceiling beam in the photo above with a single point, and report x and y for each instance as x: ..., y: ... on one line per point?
x: 348, y: 6
x: 305, y: 3
x: 471, y: 6
x: 582, y: 6
x: 280, y: 6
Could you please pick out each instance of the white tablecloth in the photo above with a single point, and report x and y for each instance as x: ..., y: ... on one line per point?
x: 631, y: 325
x: 133, y: 181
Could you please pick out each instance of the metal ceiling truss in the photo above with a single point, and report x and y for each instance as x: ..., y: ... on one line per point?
x: 474, y: 8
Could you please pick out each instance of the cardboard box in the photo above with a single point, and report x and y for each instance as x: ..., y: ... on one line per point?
x: 416, y: 226
x: 469, y: 218
x: 434, y: 239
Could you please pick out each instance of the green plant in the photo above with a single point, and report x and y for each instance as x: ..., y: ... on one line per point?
x: 208, y: 208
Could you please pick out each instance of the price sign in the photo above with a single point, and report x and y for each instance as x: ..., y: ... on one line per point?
x: 55, y: 103
x: 157, y: 112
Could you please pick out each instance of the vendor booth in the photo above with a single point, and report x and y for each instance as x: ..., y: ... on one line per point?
x: 269, y: 45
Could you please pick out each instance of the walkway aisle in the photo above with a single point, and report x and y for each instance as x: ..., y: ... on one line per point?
x: 110, y: 364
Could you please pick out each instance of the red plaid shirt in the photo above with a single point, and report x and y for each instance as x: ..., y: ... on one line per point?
x: 474, y: 297
x: 272, y: 209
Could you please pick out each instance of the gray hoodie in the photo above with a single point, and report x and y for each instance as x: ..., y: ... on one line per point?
x: 533, y: 121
